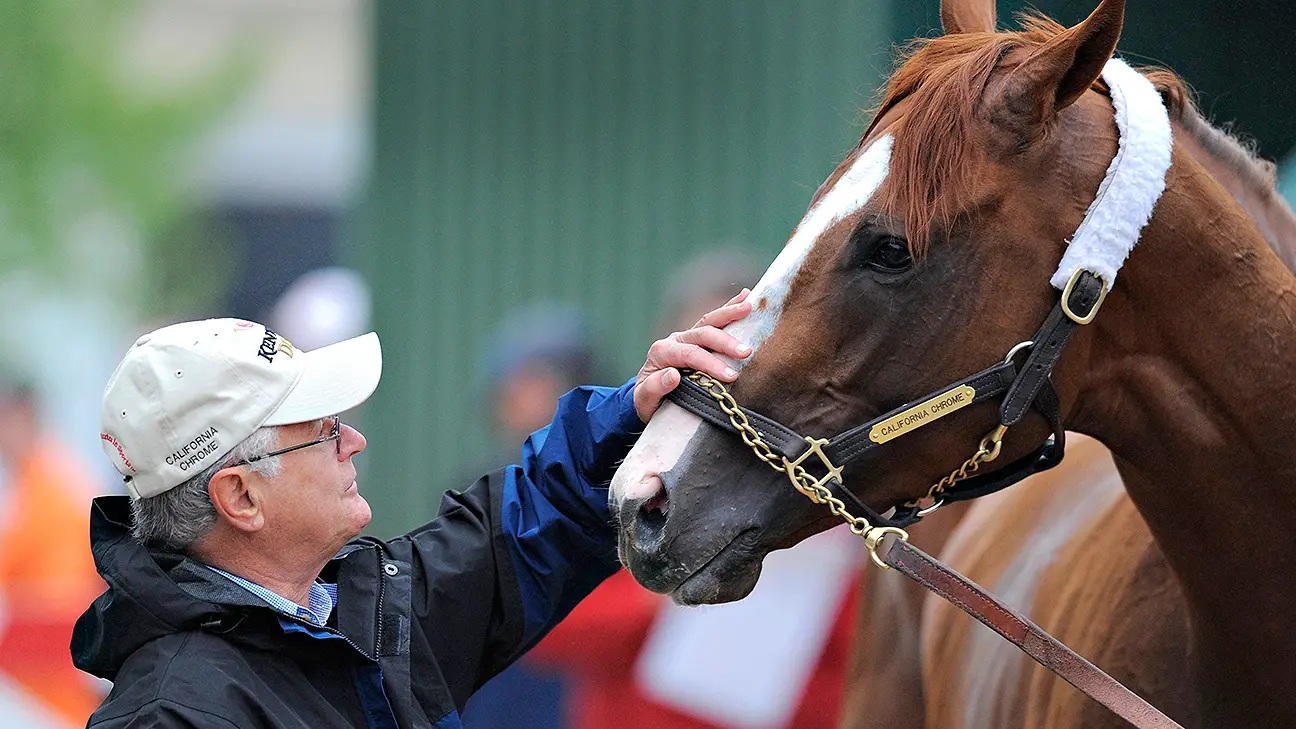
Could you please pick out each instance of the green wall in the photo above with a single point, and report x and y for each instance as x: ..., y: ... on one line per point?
x: 577, y: 151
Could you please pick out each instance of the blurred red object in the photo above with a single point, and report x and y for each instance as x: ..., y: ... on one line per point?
x: 597, y: 645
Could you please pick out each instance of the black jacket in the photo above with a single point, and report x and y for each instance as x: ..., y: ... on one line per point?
x: 420, y: 623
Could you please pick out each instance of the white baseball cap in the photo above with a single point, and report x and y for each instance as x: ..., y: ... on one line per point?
x: 185, y: 395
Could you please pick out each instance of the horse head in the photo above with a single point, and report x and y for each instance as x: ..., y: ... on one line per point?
x: 924, y: 257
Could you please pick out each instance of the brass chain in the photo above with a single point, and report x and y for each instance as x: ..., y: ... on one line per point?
x: 739, y: 420
x: 987, y: 451
x: 802, y: 480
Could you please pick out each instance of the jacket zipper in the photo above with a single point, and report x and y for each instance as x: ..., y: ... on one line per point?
x: 382, y: 589
x: 330, y: 631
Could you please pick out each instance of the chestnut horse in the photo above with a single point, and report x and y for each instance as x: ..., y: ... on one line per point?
x: 927, y: 255
x: 885, y: 686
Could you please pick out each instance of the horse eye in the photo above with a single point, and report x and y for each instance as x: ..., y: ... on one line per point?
x: 891, y: 255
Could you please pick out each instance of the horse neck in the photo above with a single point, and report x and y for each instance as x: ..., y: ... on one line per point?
x: 1186, y: 377
x: 1249, y: 181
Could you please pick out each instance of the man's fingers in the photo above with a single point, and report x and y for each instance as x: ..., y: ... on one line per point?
x: 674, y: 353
x: 649, y: 394
x: 725, y: 315
x: 695, y: 349
x: 667, y: 379
x: 740, y: 296
x: 716, y: 340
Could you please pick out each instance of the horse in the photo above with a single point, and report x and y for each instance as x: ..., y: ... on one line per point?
x: 885, y: 686
x: 1019, y: 691
x: 927, y: 254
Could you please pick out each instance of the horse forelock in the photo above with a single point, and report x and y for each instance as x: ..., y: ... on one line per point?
x: 943, y: 81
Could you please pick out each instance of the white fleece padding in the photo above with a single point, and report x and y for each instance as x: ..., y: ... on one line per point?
x: 1133, y: 183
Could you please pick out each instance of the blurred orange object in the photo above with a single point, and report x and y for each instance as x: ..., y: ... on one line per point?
x: 47, y: 578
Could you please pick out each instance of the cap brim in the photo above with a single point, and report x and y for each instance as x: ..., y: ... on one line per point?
x: 335, y: 379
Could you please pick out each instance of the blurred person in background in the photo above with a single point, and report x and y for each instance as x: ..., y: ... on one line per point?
x: 598, y: 647
x: 46, y: 574
x: 708, y: 277
x: 239, y: 592
x: 537, y: 353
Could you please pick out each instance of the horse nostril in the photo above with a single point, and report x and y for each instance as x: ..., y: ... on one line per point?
x: 654, y: 510
x: 657, y: 505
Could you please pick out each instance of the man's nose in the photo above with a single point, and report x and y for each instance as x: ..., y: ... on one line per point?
x: 353, y: 441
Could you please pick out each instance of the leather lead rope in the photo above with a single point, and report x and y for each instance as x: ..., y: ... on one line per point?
x: 1046, y: 650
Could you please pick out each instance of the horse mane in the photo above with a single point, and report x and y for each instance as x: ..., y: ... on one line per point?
x: 1221, y: 144
x: 1240, y: 156
x: 946, y: 78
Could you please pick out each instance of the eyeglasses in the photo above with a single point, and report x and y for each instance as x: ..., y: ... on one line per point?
x: 335, y: 434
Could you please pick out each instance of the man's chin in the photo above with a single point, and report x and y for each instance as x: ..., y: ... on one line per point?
x: 361, y: 514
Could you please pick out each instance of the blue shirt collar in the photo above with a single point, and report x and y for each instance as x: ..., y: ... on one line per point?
x: 323, y: 596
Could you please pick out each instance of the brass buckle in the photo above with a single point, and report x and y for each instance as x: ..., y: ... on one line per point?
x: 1066, y: 297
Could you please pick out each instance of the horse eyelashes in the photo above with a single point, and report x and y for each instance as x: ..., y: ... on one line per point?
x: 881, y: 251
x: 891, y: 256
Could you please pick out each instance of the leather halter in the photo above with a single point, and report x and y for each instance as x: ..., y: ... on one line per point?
x: 1023, y: 387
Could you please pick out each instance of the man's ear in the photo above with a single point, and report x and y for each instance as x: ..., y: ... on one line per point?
x: 235, y: 500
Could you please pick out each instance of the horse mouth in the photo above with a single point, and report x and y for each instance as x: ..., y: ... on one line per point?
x: 729, y: 575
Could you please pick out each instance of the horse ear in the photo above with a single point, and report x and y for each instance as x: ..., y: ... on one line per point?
x: 967, y: 16
x: 1054, y: 76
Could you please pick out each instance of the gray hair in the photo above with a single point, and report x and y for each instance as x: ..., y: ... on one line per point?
x: 178, y: 517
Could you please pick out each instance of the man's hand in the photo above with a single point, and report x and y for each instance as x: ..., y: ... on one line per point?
x: 692, y: 349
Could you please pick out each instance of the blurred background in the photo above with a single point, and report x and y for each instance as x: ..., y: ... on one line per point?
x: 507, y: 192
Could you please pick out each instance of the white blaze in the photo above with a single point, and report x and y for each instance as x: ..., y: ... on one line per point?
x: 671, y: 429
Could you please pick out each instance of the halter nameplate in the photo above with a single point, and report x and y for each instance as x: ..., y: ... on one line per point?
x: 922, y: 414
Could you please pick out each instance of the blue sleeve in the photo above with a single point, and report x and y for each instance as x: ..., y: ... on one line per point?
x: 508, y: 557
x: 554, y: 511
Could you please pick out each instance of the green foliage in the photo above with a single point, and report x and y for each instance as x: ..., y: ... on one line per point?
x: 87, y: 163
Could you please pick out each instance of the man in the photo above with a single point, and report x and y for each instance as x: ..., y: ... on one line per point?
x: 239, y: 594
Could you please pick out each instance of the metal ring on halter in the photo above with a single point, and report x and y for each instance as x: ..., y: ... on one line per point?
x: 938, y: 503
x: 1017, y: 348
